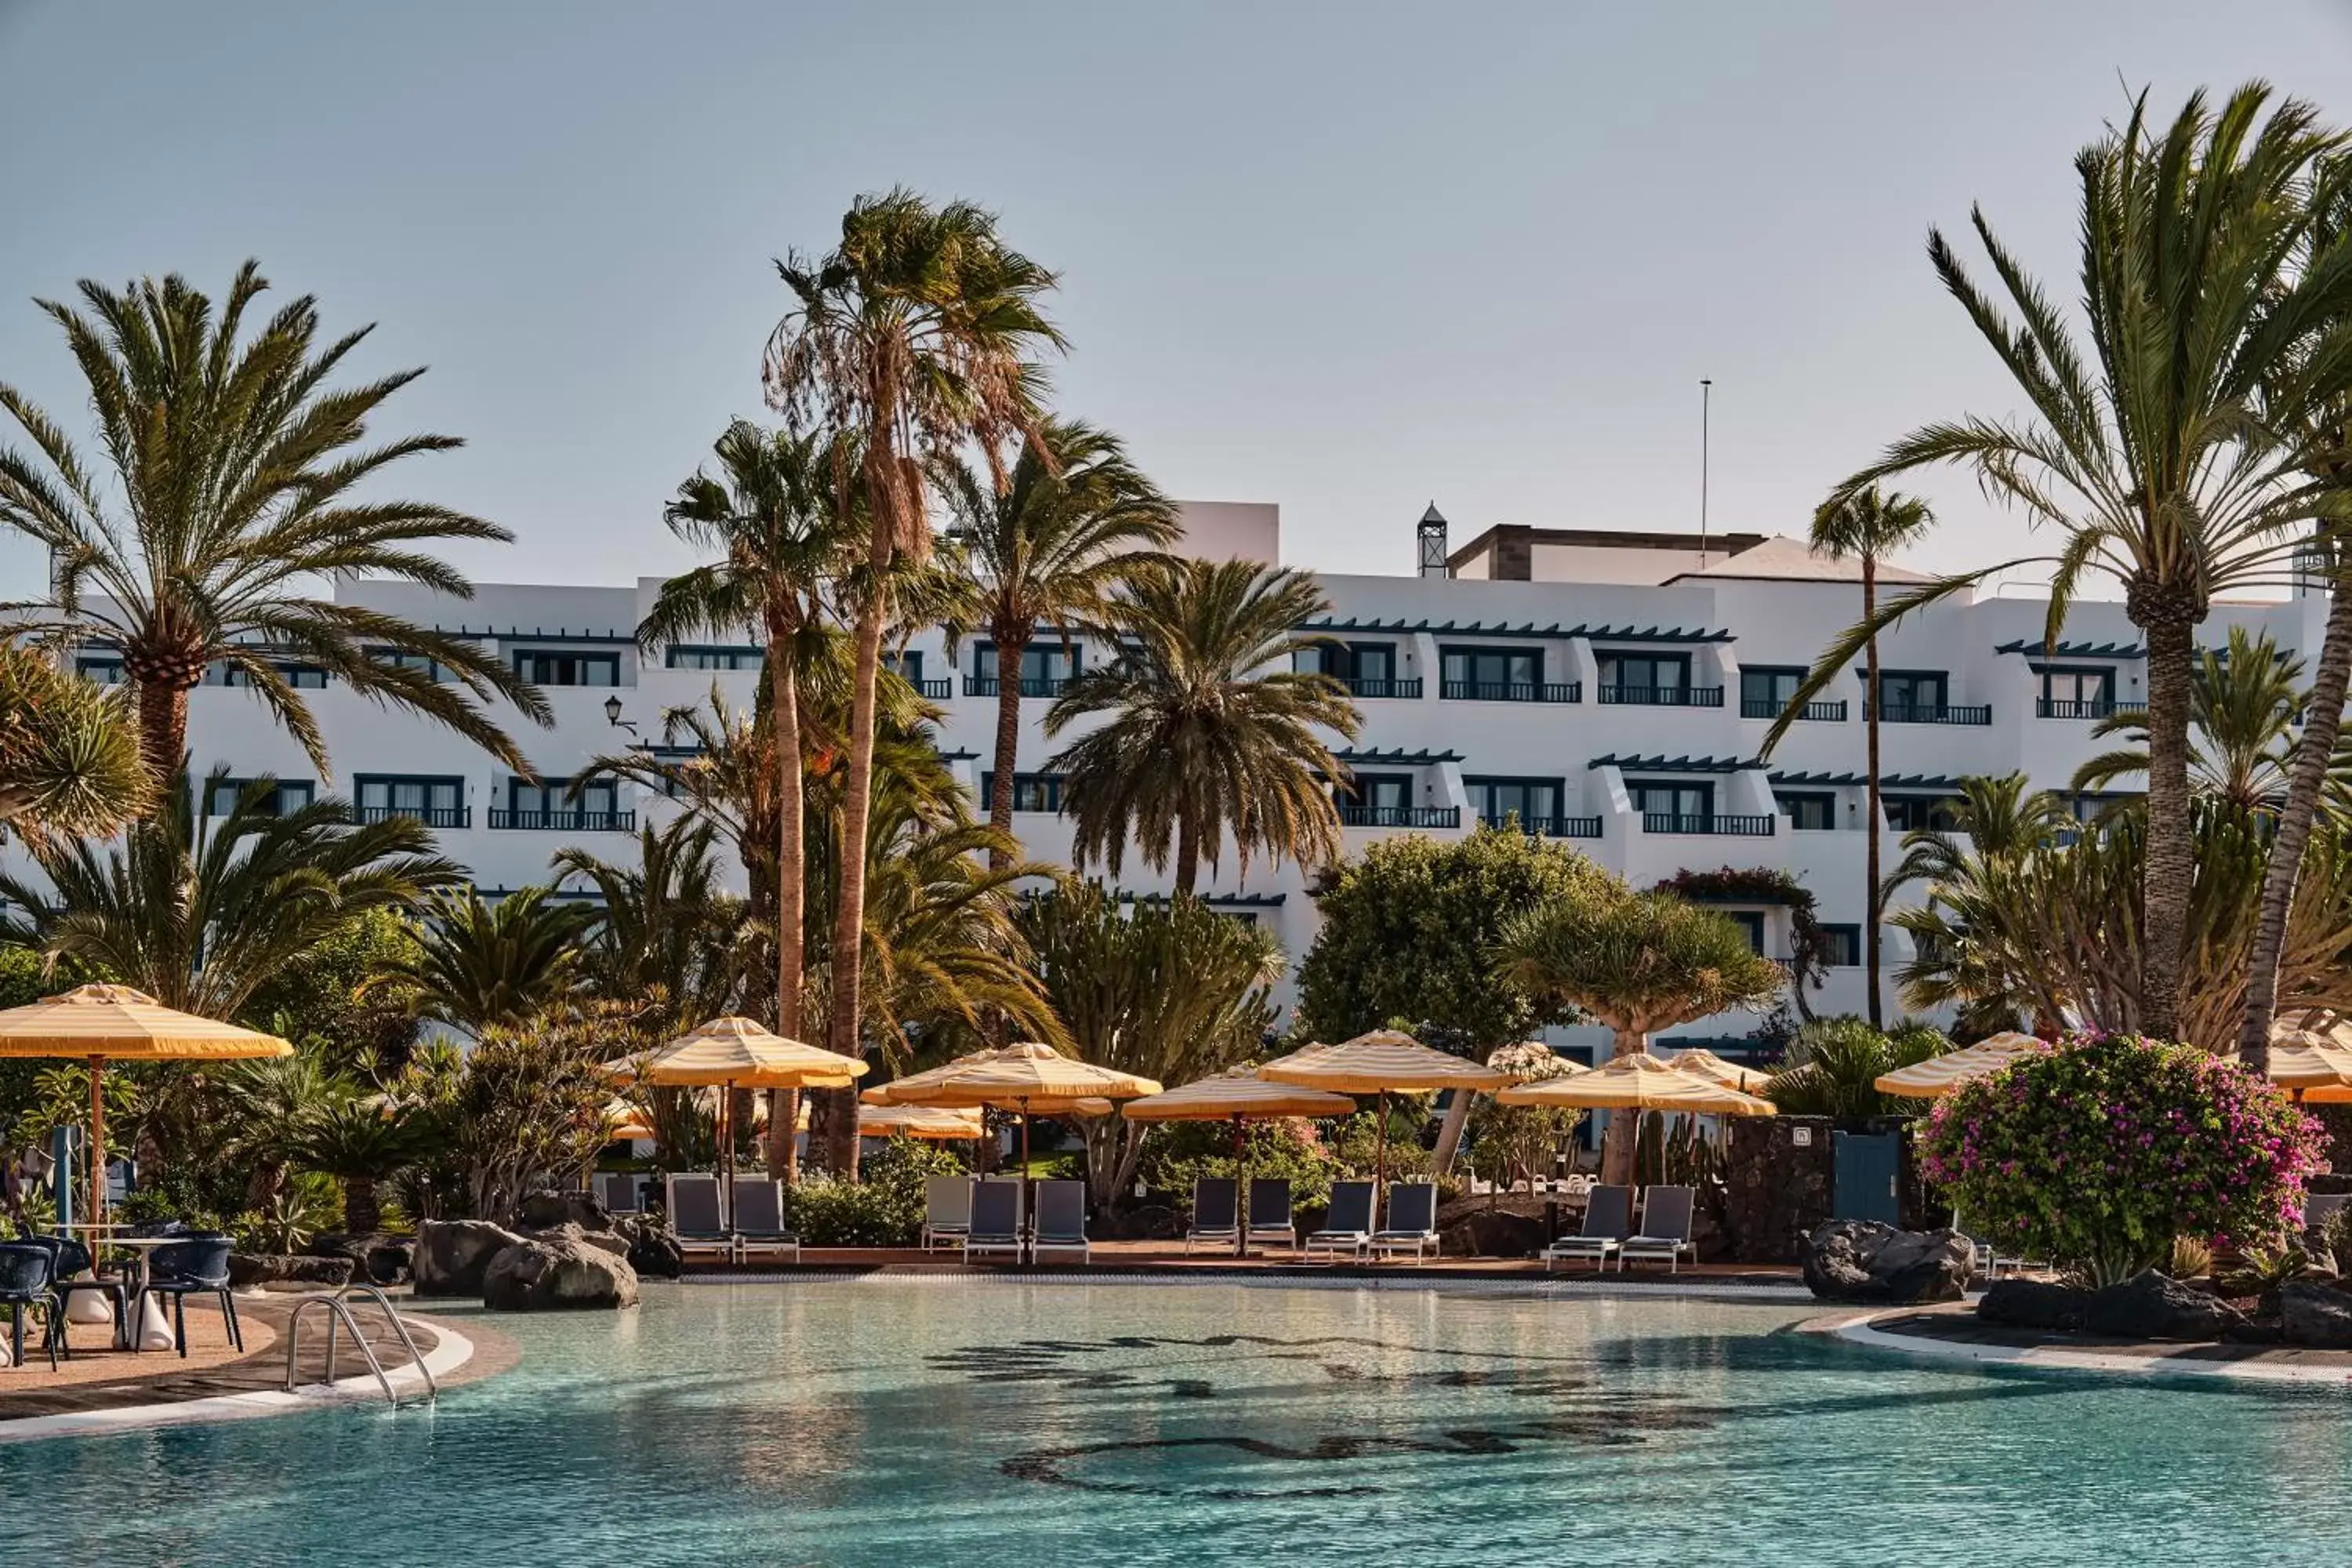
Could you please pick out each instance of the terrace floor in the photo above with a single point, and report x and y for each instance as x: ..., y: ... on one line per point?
x: 1952, y: 1331
x: 1131, y: 1259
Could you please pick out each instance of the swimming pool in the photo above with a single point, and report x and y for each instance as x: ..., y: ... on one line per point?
x: 914, y: 1422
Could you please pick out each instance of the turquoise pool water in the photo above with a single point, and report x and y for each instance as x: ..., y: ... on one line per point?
x: 919, y: 1423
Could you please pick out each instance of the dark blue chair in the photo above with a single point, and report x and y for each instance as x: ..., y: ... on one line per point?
x: 196, y: 1267
x: 23, y: 1285
x: 68, y: 1259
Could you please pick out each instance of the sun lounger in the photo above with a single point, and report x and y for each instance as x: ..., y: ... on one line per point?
x: 1216, y: 1213
x: 1348, y: 1226
x: 760, y: 1219
x: 995, y: 1219
x: 618, y: 1192
x: 1270, y: 1219
x: 1665, y: 1230
x: 1608, y: 1216
x: 694, y: 1220
x: 947, y: 1210
x: 1412, y: 1220
x: 1061, y: 1220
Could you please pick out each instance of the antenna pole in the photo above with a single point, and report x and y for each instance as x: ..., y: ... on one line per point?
x: 1705, y: 401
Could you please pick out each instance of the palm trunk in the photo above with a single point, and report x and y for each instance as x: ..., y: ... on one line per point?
x: 849, y: 912
x: 1617, y: 1138
x: 1009, y: 649
x: 1449, y: 1131
x: 2169, y: 619
x: 164, y: 730
x: 2323, y: 719
x: 1877, y: 821
x: 791, y: 939
x: 363, y: 1216
x: 1187, y: 855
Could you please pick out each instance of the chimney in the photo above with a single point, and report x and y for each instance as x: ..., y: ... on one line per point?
x: 1431, y: 534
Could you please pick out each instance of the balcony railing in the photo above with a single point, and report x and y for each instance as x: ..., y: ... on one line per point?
x: 1812, y: 713
x: 1549, y: 827
x: 1353, y: 815
x: 2051, y: 708
x: 431, y: 815
x: 1511, y: 690
x: 1662, y: 695
x: 565, y: 821
x: 1893, y: 714
x: 937, y: 690
x: 1031, y: 685
x: 1375, y: 686
x: 1739, y: 826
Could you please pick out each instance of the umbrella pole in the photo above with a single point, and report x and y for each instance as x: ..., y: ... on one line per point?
x: 1380, y: 1160
x: 95, y: 1155
x: 727, y: 1146
x: 1241, y: 1170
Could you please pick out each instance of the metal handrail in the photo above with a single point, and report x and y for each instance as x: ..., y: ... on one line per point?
x: 337, y: 1308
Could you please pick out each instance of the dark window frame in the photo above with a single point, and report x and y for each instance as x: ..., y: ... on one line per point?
x: 582, y: 657
x: 1826, y: 799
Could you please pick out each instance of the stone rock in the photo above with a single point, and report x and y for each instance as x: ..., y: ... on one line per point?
x: 1863, y: 1260
x: 451, y: 1255
x: 1145, y: 1222
x: 611, y: 1241
x: 2316, y: 1314
x: 281, y: 1271
x: 546, y: 1210
x: 382, y: 1258
x: 1496, y: 1233
x: 2034, y: 1304
x: 555, y: 1274
x: 653, y: 1254
x: 2153, y: 1306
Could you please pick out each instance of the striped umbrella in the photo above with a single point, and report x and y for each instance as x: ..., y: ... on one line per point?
x: 1939, y: 1075
x: 1380, y: 1063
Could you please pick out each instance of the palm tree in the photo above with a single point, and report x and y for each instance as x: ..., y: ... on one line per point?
x: 1203, y: 738
x: 666, y: 932
x: 2242, y: 701
x: 1052, y: 549
x: 773, y: 518
x: 1994, y: 818
x: 198, y: 911
x: 69, y: 758
x: 914, y: 337
x: 481, y: 965
x: 1639, y: 962
x: 241, y: 475
x: 362, y: 1142
x: 2158, y: 439
x: 1866, y: 525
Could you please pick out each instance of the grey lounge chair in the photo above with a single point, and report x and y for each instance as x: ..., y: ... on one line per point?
x: 1412, y: 1220
x: 1270, y: 1218
x: 1061, y: 1220
x: 760, y: 1219
x: 1348, y: 1226
x: 1607, y: 1218
x: 1216, y: 1218
x: 693, y: 1217
x: 619, y: 1193
x: 995, y: 1220
x: 1665, y: 1230
x: 947, y: 1210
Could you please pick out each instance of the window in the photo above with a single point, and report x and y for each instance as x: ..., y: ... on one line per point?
x: 1680, y: 802
x: 553, y: 667
x: 1810, y: 810
x: 601, y: 798
x: 301, y: 676
x: 907, y: 664
x: 1383, y: 792
x: 1031, y: 792
x: 1752, y: 923
x: 286, y: 794
x: 402, y: 658
x: 106, y: 669
x: 697, y: 656
x: 1909, y: 812
x: 1046, y: 668
x: 1645, y: 671
x: 1489, y: 669
x: 1535, y: 802
x: 2068, y: 692
x: 1350, y: 661
x: 1845, y: 946
x: 1904, y: 692
x: 437, y: 800
x: 1764, y: 690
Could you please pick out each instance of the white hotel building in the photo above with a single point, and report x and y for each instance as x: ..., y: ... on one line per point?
x: 1609, y: 689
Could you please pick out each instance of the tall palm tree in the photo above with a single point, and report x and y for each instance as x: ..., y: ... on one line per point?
x: 243, y: 480
x: 2242, y: 701
x: 1208, y: 731
x: 1994, y: 818
x: 2154, y: 438
x: 914, y: 335
x: 481, y: 965
x: 197, y: 911
x: 774, y: 518
x: 665, y: 930
x: 361, y: 1141
x: 69, y: 759
x: 1052, y: 549
x: 1867, y: 525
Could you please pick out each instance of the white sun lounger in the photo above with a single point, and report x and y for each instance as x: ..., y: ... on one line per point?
x: 1061, y: 1220
x: 1665, y: 1230
x: 947, y: 1210
x: 1347, y: 1225
x: 1608, y: 1216
x: 1216, y: 1213
x: 995, y: 1220
x: 1412, y: 1221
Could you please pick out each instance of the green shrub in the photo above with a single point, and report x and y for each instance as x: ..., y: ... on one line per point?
x: 885, y: 1209
x: 1832, y: 1067
x: 1180, y: 1154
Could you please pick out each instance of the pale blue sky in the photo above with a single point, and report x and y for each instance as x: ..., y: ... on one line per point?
x: 1342, y: 258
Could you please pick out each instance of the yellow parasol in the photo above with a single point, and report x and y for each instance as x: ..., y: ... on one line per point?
x: 931, y: 1121
x: 624, y: 1120
x: 1939, y: 1075
x: 1381, y: 1063
x: 1638, y: 1082
x: 1237, y: 1097
x: 1715, y: 1069
x: 2315, y: 1063
x: 1029, y: 1078
x: 734, y: 1053
x: 114, y: 1023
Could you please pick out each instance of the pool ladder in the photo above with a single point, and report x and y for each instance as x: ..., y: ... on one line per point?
x: 336, y: 1304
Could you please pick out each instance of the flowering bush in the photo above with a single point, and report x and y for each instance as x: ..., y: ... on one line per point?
x: 2097, y: 1153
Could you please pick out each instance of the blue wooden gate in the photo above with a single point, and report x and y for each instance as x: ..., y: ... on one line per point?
x: 1867, y: 1172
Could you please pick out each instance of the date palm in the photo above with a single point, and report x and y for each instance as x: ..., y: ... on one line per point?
x: 1208, y: 731
x: 1052, y: 549
x: 69, y: 758
x: 481, y: 965
x: 665, y: 928
x: 240, y: 481
x: 914, y: 336
x: 2242, y: 700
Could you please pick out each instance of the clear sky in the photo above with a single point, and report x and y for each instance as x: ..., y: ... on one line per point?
x: 1345, y: 258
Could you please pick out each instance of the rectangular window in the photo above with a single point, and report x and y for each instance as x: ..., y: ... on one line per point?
x: 287, y: 794
x: 1905, y: 694
x: 708, y: 657
x: 2072, y: 692
x: 1809, y: 810
x: 1681, y: 802
x: 1844, y: 945
x: 1909, y: 812
x: 1031, y: 792
x: 402, y: 658
x: 1765, y: 691
x: 1535, y: 802
x: 556, y: 666
x: 1492, y: 672
x: 1752, y: 923
x: 554, y: 798
x: 1384, y: 792
x: 1350, y: 661
x: 301, y: 676
x: 909, y: 665
x: 104, y: 669
x: 1645, y: 672
x: 1046, y: 667
x: 438, y: 800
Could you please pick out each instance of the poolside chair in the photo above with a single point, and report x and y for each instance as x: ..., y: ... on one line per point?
x: 1270, y: 1216
x: 196, y: 1267
x: 759, y: 1209
x: 1061, y: 1221
x: 1607, y: 1218
x: 1216, y: 1216
x: 1412, y: 1220
x: 1347, y: 1225
x: 69, y: 1260
x: 947, y: 1210
x: 995, y: 1219
x: 25, y: 1287
x: 1665, y: 1229
x: 620, y: 1191
x: 694, y: 1219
